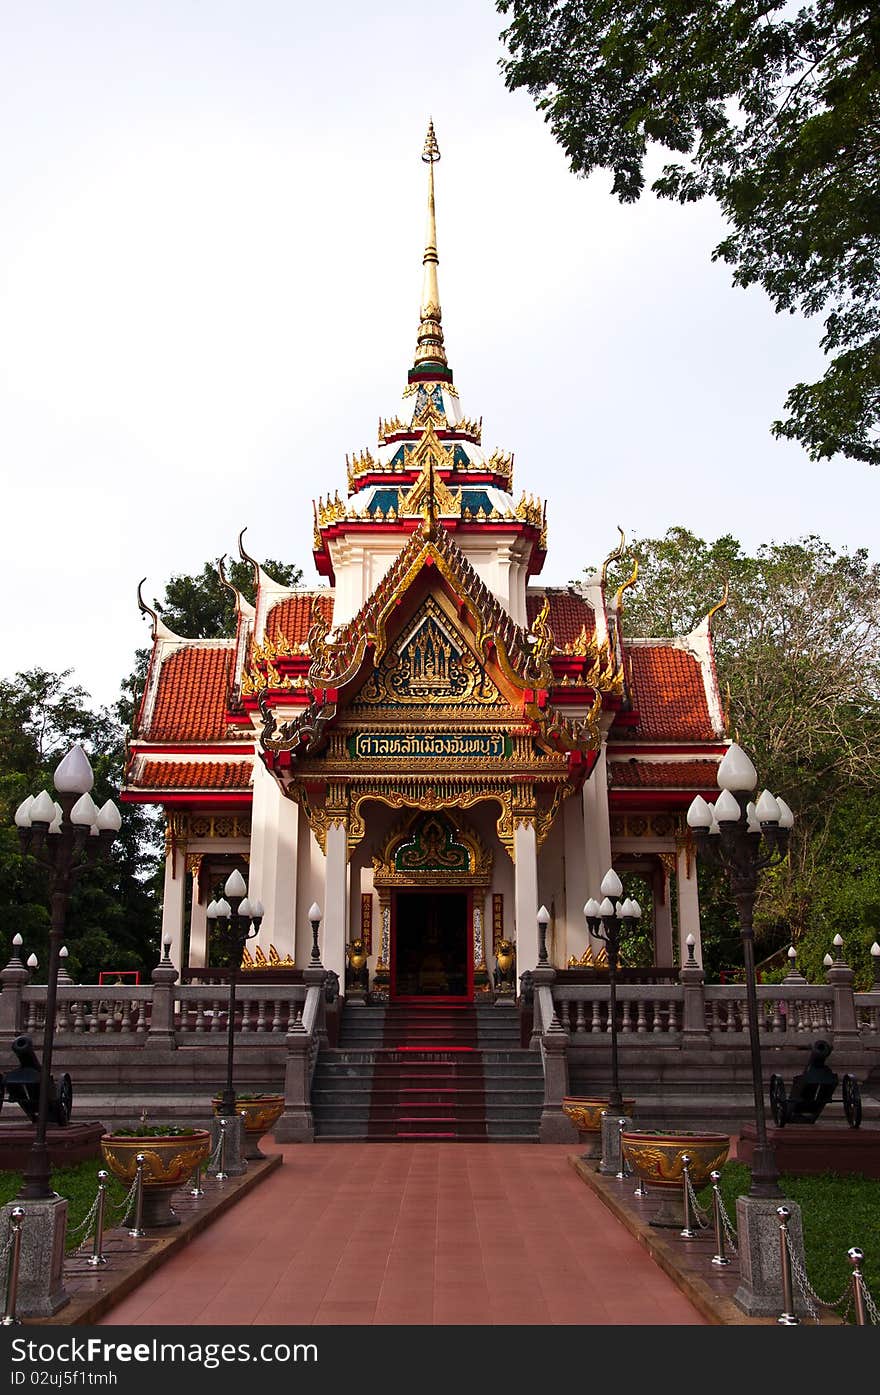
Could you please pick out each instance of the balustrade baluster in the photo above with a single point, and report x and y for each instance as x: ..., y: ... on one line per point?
x: 261, y: 1014
x: 776, y: 1022
x: 31, y: 1024
x: 245, y: 1016
x: 626, y: 1015
x: 199, y: 1025
x: 125, y: 1024
x: 93, y: 1019
x: 642, y: 1016
x: 215, y: 1015
x: 580, y: 1023
x: 277, y: 1020
x: 182, y: 1020
x: 141, y: 1024
x: 79, y: 1021
x: 672, y: 1018
x: 596, y: 1023
x: 62, y: 1016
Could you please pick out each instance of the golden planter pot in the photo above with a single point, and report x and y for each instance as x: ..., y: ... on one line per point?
x: 585, y: 1112
x: 656, y: 1155
x: 170, y: 1160
x: 260, y: 1115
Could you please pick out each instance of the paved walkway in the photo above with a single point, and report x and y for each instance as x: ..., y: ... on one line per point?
x: 413, y: 1233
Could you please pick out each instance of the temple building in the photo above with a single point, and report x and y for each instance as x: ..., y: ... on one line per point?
x: 431, y: 744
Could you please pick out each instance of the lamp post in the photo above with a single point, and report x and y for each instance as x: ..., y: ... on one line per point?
x: 236, y: 921
x: 745, y: 838
x: 604, y: 921
x: 65, y: 836
x: 315, y: 922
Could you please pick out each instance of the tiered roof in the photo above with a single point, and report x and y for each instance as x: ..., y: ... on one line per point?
x: 430, y: 479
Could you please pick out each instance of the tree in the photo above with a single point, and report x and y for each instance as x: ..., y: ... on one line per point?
x: 798, y: 655
x: 112, y: 921
x: 201, y: 607
x: 774, y: 111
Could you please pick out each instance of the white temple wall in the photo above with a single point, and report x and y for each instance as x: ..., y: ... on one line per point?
x: 552, y: 891
x: 577, y: 890
x: 597, y: 831
x: 361, y: 560
x: 273, y: 864
x: 310, y: 887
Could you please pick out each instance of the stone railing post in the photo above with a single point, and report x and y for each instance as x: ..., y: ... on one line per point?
x: 694, y: 1031
x: 296, y: 1124
x: 13, y: 978
x: 164, y: 977
x: 555, y: 1127
x: 543, y: 1012
x: 844, y: 1020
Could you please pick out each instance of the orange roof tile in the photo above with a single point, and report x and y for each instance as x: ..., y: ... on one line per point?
x: 195, y: 775
x: 293, y: 617
x: 663, y: 775
x: 668, y: 694
x: 569, y: 612
x: 191, y: 696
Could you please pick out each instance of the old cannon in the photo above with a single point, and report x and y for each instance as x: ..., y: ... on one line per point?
x: 22, y: 1086
x: 812, y: 1090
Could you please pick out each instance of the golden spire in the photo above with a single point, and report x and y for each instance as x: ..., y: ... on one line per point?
x: 429, y: 342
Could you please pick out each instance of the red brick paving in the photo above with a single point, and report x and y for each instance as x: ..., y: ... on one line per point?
x: 413, y: 1233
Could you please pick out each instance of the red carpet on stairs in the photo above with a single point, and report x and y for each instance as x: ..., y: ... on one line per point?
x: 429, y: 1082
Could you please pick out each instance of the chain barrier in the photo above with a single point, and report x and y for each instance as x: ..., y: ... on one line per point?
x: 697, y: 1212
x: 215, y: 1156
x: 127, y: 1202
x: 812, y: 1301
x: 85, y: 1225
x: 729, y: 1228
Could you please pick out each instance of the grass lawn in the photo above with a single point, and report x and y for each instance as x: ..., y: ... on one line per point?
x: 838, y: 1212
x: 80, y: 1185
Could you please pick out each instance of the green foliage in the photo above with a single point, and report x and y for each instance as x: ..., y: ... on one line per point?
x: 79, y: 1184
x: 797, y: 650
x: 838, y: 1212
x: 153, y: 1131
x: 201, y: 607
x: 774, y: 111
x: 112, y: 921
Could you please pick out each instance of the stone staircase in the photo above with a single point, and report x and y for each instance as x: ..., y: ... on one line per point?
x: 430, y: 1072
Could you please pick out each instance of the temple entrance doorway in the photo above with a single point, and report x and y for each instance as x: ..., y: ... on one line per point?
x: 431, y: 940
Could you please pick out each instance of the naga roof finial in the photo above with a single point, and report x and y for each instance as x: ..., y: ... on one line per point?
x: 429, y: 341
x: 245, y: 557
x: 614, y: 556
x: 145, y: 609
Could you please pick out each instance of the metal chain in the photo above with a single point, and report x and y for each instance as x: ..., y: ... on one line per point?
x: 215, y: 1156
x: 869, y: 1302
x: 86, y: 1225
x: 127, y: 1202
x: 697, y: 1212
x: 811, y: 1298
x: 729, y: 1230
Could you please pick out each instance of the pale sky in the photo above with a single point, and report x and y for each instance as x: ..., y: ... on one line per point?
x: 211, y: 226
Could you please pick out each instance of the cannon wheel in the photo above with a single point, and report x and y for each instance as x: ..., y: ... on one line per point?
x: 778, y: 1100
x: 65, y: 1099
x: 852, y: 1101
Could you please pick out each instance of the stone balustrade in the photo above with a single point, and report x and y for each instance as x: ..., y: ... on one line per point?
x: 127, y: 1011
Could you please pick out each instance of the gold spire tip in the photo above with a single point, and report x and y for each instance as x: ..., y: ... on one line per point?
x: 431, y: 151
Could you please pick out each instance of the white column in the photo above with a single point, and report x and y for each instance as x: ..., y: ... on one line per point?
x: 662, y: 917
x: 577, y: 890
x: 688, y: 905
x: 198, y: 929
x: 597, y: 832
x: 173, y: 902
x: 525, y: 882
x: 334, y: 930
x: 272, y: 873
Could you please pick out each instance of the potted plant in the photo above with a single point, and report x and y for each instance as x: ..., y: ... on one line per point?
x: 260, y: 1112
x: 656, y: 1155
x: 172, y: 1154
x: 585, y: 1112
